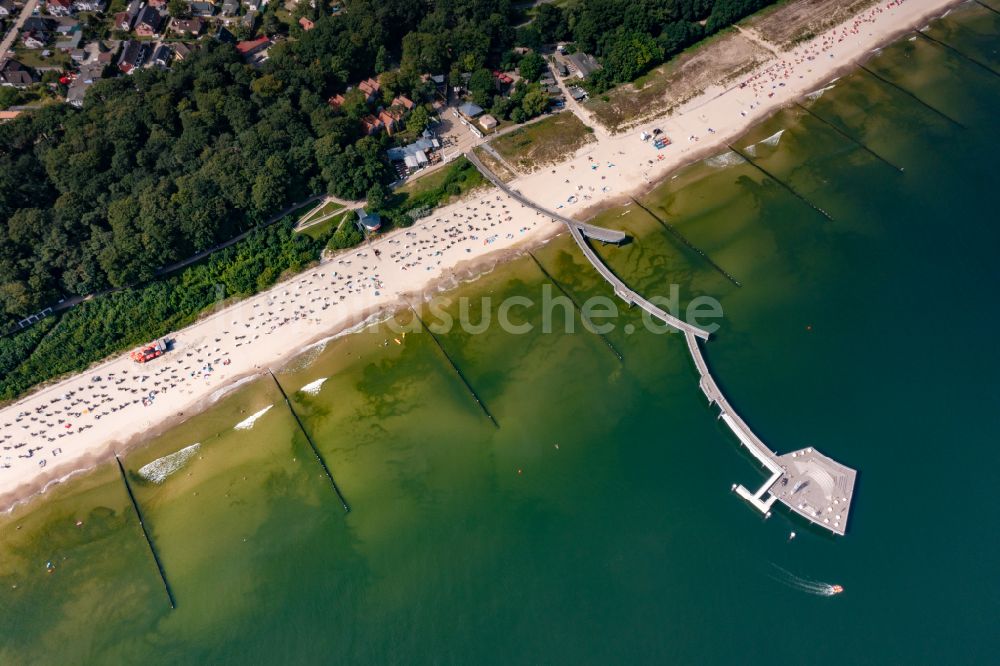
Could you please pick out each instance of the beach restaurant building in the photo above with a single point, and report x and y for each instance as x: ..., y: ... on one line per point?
x: 418, y: 154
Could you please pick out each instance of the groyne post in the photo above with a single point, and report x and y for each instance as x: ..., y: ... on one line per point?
x: 958, y: 53
x: 576, y: 305
x: 145, y: 533
x: 454, y: 366
x: 785, y: 185
x: 912, y: 96
x: 312, y: 444
x: 691, y: 246
x: 986, y: 6
x: 848, y: 136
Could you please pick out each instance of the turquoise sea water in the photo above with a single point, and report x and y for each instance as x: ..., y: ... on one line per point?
x: 596, y: 524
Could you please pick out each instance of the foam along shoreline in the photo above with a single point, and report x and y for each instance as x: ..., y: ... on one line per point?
x: 79, y: 421
x: 313, y: 388
x: 247, y: 423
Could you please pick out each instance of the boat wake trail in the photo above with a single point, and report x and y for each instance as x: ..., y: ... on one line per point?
x: 819, y: 588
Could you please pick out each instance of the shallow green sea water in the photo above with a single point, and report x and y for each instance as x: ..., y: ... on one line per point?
x: 595, y: 525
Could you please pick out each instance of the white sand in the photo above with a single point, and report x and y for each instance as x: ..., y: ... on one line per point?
x: 79, y: 421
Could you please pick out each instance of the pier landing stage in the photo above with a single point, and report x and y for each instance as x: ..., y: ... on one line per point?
x: 816, y: 487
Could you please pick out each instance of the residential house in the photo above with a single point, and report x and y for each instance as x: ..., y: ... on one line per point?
x: 148, y: 23
x: 439, y: 81
x: 39, y: 24
x: 125, y: 20
x: 34, y: 39
x: 122, y: 21
x: 230, y: 7
x: 223, y: 36
x: 7, y: 116
x: 89, y: 5
x: 88, y: 74
x: 387, y: 120
x: 487, y: 122
x: 202, y: 9
x: 14, y: 74
x: 583, y: 63
x: 249, y: 20
x: 59, y: 7
x: 133, y: 56
x: 371, y: 125
x: 191, y: 27
x: 370, y: 87
x: 162, y: 56
x: 182, y: 50
x: 336, y: 101
x: 253, y: 47
x: 470, y: 110
x: 404, y: 102
x: 70, y: 40
x: 306, y: 24
x: 7, y: 8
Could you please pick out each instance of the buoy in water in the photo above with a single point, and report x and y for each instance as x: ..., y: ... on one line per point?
x: 791, y: 536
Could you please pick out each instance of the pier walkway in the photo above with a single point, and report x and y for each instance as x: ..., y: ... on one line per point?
x: 812, y: 485
x: 589, y: 230
x: 624, y: 292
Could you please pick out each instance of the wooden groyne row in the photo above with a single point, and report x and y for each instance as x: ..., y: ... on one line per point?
x: 691, y: 246
x: 848, y: 136
x: 312, y: 444
x: 454, y: 366
x: 145, y: 533
x: 986, y: 6
x: 566, y: 293
x: 780, y: 182
x: 958, y: 53
x: 912, y: 96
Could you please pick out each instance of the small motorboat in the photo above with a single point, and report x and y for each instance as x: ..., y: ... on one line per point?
x: 836, y: 589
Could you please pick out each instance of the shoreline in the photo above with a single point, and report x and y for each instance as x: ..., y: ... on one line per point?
x: 362, y: 295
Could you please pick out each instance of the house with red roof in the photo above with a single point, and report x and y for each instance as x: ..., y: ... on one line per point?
x: 253, y: 47
x: 370, y: 87
x: 388, y: 121
x: 404, y: 102
x: 306, y: 24
x: 59, y: 7
x: 371, y: 125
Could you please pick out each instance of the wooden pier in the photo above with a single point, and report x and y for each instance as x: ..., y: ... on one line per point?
x: 817, y: 488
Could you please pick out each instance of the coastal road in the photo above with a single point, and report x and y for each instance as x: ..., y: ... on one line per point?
x: 11, y: 36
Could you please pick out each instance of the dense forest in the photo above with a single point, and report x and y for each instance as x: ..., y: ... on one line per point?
x: 165, y: 163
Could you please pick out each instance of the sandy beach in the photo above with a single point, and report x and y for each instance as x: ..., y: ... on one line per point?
x: 80, y: 421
